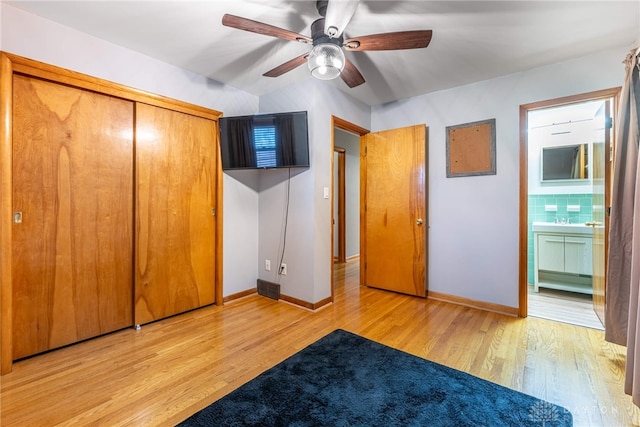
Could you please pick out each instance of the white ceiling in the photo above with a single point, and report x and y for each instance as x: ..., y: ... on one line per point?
x: 472, y: 40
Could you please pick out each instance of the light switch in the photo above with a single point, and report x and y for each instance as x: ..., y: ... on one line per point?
x: 326, y: 192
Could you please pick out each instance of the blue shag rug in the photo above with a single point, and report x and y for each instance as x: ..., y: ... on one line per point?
x: 347, y: 380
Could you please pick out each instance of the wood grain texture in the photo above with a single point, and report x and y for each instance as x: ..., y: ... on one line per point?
x: 523, y: 214
x: 467, y: 302
x: 416, y: 39
x: 175, y: 229
x: 348, y: 126
x: 11, y: 65
x: 563, y: 306
x: 262, y: 28
x: 219, y: 197
x: 287, y: 66
x: 6, y: 208
x: 170, y: 369
x: 602, y: 164
x: 72, y: 181
x: 39, y: 69
x: 395, y: 199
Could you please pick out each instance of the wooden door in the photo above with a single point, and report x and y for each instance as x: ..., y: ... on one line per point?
x: 601, y: 168
x: 394, y: 198
x: 73, y: 203
x: 176, y: 159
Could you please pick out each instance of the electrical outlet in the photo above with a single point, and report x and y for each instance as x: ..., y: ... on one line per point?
x: 283, y: 269
x: 267, y: 265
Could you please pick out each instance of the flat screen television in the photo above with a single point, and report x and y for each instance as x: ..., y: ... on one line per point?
x: 265, y: 141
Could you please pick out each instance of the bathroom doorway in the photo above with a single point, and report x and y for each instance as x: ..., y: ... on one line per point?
x: 567, y: 143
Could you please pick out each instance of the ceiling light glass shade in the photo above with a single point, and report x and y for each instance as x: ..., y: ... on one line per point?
x: 326, y: 61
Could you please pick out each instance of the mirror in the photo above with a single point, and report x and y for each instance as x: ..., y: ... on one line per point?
x: 569, y: 162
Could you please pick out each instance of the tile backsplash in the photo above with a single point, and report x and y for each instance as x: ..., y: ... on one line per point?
x: 565, y: 205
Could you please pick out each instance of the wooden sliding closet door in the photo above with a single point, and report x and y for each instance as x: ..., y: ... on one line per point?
x: 176, y: 157
x: 73, y: 215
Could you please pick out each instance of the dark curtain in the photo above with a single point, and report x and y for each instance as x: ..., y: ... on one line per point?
x: 243, y: 152
x: 285, y: 150
x: 621, y: 227
x: 622, y: 315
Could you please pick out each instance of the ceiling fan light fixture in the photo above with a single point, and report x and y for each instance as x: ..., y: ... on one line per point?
x: 326, y: 61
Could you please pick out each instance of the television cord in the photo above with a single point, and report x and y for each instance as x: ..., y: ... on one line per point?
x: 286, y: 221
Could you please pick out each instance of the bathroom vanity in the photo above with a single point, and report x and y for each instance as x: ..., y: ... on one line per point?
x: 563, y: 257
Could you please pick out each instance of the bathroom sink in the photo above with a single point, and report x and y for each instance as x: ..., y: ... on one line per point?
x: 552, y: 227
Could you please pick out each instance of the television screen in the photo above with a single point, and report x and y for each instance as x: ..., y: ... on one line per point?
x: 264, y: 141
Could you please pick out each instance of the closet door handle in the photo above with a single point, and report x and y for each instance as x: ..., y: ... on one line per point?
x: 17, y: 217
x: 419, y: 221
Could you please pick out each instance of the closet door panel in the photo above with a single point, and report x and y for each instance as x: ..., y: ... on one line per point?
x: 176, y: 159
x: 73, y: 184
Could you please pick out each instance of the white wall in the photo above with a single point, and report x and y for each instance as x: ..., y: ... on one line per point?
x: 30, y: 36
x: 308, y: 252
x: 473, y: 234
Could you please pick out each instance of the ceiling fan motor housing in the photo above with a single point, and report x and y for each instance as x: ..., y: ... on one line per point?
x: 319, y: 37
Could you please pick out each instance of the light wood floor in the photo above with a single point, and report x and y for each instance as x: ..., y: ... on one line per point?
x: 562, y: 306
x: 172, y: 368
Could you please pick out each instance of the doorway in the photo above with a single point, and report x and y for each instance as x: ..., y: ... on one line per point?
x: 392, y: 239
x: 565, y: 183
x: 346, y: 196
x: 345, y: 201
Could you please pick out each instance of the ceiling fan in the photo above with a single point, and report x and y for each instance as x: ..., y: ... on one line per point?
x: 326, y: 59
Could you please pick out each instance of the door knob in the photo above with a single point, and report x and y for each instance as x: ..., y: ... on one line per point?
x: 419, y: 221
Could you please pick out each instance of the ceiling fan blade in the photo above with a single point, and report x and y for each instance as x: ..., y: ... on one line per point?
x: 262, y: 28
x: 390, y: 41
x: 350, y: 74
x: 287, y: 66
x: 339, y: 13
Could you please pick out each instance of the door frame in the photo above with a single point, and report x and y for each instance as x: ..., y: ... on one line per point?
x: 524, y: 182
x: 337, y: 122
x: 341, y: 257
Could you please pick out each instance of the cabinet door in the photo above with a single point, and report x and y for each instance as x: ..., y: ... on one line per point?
x: 550, y: 252
x: 176, y: 157
x: 72, y: 246
x: 578, y: 255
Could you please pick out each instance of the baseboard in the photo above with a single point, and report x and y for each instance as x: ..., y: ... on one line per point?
x: 239, y: 295
x: 306, y: 304
x: 481, y: 305
x: 284, y: 298
x: 336, y: 260
x: 437, y: 296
